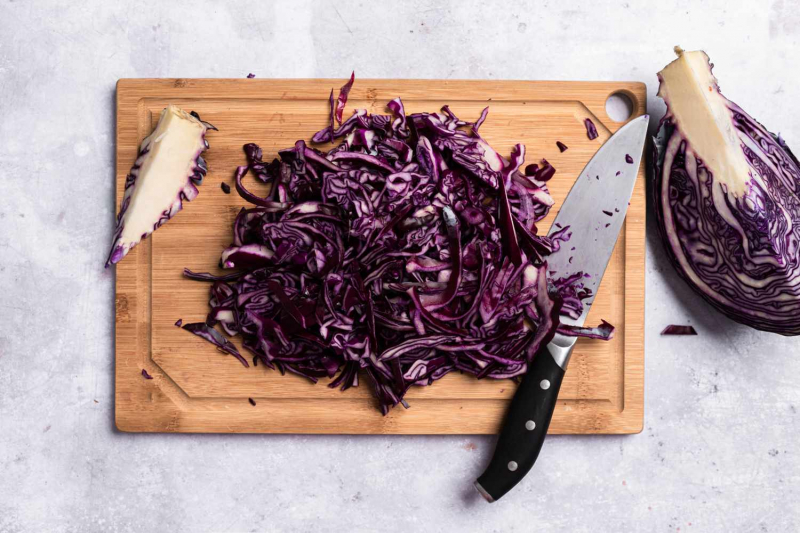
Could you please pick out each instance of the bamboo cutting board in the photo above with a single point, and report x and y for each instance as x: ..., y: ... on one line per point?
x: 198, y: 389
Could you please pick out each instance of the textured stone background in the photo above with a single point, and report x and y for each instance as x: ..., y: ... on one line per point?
x: 719, y: 451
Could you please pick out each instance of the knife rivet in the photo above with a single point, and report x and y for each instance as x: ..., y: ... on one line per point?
x: 544, y: 384
x: 530, y: 425
x: 512, y: 465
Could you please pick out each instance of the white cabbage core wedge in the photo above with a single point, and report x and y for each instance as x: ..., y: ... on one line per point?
x: 703, y: 115
x: 164, y: 175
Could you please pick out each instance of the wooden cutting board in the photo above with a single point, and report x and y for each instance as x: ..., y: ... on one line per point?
x: 198, y: 389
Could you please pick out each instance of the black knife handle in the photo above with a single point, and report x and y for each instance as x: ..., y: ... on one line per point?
x: 525, y: 427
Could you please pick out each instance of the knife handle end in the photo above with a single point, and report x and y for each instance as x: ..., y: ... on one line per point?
x: 482, y: 492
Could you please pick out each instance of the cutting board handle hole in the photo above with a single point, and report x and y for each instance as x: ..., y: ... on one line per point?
x: 619, y: 107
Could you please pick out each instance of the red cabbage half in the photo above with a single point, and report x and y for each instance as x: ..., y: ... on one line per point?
x: 407, y: 251
x: 727, y: 198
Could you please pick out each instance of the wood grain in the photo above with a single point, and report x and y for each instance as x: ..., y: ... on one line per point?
x: 197, y: 389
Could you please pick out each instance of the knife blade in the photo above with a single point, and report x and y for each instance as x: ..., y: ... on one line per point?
x: 594, y: 211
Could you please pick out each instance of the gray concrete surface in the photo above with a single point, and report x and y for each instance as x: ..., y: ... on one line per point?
x: 719, y: 451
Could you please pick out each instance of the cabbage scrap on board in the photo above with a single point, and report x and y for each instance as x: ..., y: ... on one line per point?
x: 164, y: 175
x: 405, y: 252
x: 727, y: 197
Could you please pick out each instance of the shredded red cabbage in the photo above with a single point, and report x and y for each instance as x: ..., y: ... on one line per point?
x: 591, y: 130
x: 251, y: 75
x: 628, y: 159
x: 146, y: 375
x: 179, y: 322
x: 225, y: 188
x: 604, y: 331
x: 342, y: 100
x: 674, y: 329
x: 546, y: 172
x: 561, y: 146
x: 407, y: 251
x: 252, y: 402
x: 215, y: 337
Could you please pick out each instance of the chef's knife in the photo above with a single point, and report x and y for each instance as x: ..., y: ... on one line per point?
x: 594, y: 210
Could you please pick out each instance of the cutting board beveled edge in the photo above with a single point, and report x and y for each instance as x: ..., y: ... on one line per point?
x: 161, y: 405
